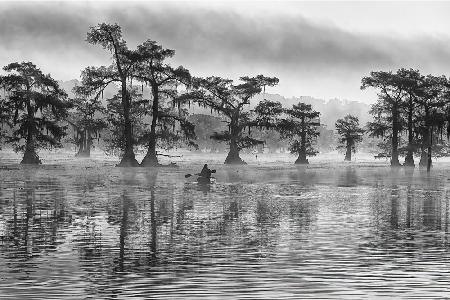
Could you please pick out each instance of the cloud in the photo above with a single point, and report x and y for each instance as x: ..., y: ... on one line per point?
x: 230, y: 36
x: 288, y: 41
x: 213, y: 40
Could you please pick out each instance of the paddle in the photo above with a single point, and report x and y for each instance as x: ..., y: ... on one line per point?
x: 189, y: 175
x: 198, y: 174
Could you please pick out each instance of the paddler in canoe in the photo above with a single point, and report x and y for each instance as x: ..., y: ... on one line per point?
x: 205, y: 175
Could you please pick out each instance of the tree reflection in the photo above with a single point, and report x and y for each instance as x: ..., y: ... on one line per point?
x: 411, y: 217
x: 204, y: 187
x: 151, y: 183
x: 186, y: 204
x: 146, y: 223
x: 409, y: 206
x: 394, y: 206
x: 33, y: 216
x: 128, y: 180
x: 446, y: 212
x: 349, y: 178
x: 303, y: 176
x: 431, y: 211
x: 123, y: 230
x: 106, y: 238
x: 231, y: 211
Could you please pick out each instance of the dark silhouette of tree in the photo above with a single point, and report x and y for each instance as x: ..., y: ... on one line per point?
x: 39, y: 104
x: 222, y: 96
x: 96, y: 79
x: 5, y: 119
x: 351, y: 134
x: 411, y: 83
x: 163, y: 80
x: 87, y: 121
x: 114, y: 135
x: 301, y: 129
x: 390, y: 102
x: 422, y: 100
x: 432, y: 99
x: 380, y: 128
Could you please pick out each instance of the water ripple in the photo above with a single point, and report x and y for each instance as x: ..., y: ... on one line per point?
x: 98, y: 232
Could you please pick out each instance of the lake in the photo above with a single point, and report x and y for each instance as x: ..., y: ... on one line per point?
x: 344, y: 231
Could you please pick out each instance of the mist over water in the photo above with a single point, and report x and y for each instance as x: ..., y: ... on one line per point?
x: 262, y: 231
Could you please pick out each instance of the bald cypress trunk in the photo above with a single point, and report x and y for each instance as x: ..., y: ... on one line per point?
x: 85, y: 144
x: 233, y: 154
x: 81, y: 145
x: 129, y: 158
x: 87, y: 150
x: 395, y: 129
x: 302, y: 160
x: 30, y: 156
x: 409, y: 159
x: 425, y: 157
x: 348, y: 152
x: 233, y: 157
x: 429, y: 148
x: 151, y: 159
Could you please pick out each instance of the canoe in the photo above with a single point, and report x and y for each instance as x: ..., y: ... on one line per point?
x: 205, y: 180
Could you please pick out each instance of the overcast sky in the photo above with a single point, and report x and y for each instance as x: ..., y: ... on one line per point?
x: 319, y: 49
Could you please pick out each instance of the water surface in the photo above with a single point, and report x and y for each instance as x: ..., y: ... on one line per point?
x: 93, y: 231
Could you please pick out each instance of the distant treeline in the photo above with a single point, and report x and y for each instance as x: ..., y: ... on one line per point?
x: 37, y: 113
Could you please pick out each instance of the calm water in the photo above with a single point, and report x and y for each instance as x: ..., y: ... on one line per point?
x: 342, y: 232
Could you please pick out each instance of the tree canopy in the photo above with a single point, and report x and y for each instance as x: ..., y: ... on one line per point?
x: 300, y: 127
x: 391, y: 88
x: 5, y: 118
x: 87, y: 120
x: 165, y: 110
x: 350, y: 134
x: 38, y: 105
x: 230, y: 100
x: 409, y: 100
x: 96, y: 79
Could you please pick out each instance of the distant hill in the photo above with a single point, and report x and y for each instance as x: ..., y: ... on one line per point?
x: 330, y: 110
x: 334, y: 109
